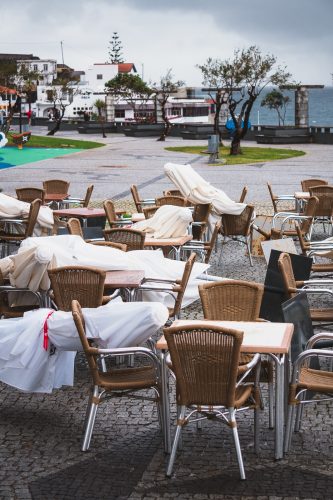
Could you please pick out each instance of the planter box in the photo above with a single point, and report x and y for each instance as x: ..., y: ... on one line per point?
x: 95, y: 128
x: 143, y: 130
x: 284, y: 135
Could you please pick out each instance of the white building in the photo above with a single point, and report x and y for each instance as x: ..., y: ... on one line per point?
x: 47, y: 69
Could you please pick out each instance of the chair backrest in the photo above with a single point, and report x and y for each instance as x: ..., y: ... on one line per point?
x: 287, y: 273
x: 56, y: 186
x: 136, y: 198
x: 28, y: 194
x: 209, y: 245
x: 82, y: 283
x: 171, y: 200
x: 231, y: 300
x: 325, y: 200
x: 32, y: 217
x: 110, y: 244
x: 74, y: 227
x: 273, y: 197
x: 301, y: 239
x: 88, y: 195
x: 110, y: 211
x: 200, y: 214
x: 149, y: 211
x: 243, y: 194
x: 311, y: 209
x: 205, y: 362
x: 309, y: 183
x: 172, y: 192
x: 181, y: 286
x: 133, y: 238
x: 237, y: 225
x: 90, y: 352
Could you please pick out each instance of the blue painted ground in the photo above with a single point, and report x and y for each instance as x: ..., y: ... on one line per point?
x: 12, y: 156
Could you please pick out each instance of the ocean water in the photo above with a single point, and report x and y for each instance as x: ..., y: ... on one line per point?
x: 320, y: 109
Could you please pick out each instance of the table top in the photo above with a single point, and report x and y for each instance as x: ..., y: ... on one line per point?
x: 55, y: 196
x: 302, y: 195
x: 259, y: 337
x: 80, y: 212
x: 167, y: 242
x: 123, y: 279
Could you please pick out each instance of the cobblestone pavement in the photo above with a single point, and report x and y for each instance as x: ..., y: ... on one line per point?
x: 40, y: 437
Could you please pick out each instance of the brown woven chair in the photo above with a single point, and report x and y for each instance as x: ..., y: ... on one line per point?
x: 309, y: 183
x: 140, y: 203
x: 243, y: 194
x: 83, y: 202
x: 149, y: 211
x: 171, y: 200
x: 309, y: 249
x: 28, y: 194
x: 203, y: 248
x: 237, y: 300
x: 133, y: 238
x: 74, y: 227
x: 172, y: 192
x: 305, y: 378
x: 110, y: 244
x: 112, y: 217
x: 205, y: 363
x: 238, y: 228
x: 324, y: 210
x: 279, y: 199
x: 8, y: 297
x: 306, y: 220
x: 175, y: 288
x: 292, y: 287
x: 119, y: 381
x: 27, y: 226
x: 82, y: 283
x: 200, y: 220
x: 57, y: 186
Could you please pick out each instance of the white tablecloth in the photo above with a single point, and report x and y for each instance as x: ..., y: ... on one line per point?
x: 168, y: 222
x: 12, y: 208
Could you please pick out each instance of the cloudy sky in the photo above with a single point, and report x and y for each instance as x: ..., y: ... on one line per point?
x: 179, y: 34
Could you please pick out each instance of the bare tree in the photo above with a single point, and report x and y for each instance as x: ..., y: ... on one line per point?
x: 163, y: 90
x: 61, y: 94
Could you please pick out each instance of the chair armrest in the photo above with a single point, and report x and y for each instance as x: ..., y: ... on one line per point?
x: 158, y: 280
x: 317, y: 338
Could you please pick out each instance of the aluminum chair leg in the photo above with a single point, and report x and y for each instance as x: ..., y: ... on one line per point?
x: 248, y: 246
x: 90, y: 421
x: 289, y: 425
x: 175, y: 443
x: 271, y: 405
x: 180, y: 442
x: 233, y: 422
x: 299, y: 414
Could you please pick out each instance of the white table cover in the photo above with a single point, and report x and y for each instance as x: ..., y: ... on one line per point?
x: 12, y: 208
x: 168, y: 222
x: 26, y: 365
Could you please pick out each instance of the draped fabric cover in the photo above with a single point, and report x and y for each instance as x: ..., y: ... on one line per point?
x: 168, y: 222
x: 12, y: 208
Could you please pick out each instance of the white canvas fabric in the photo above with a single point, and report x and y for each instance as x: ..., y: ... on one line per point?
x: 11, y: 207
x: 26, y: 365
x: 168, y: 222
x: 198, y: 191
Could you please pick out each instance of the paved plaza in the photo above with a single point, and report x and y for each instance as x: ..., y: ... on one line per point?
x: 40, y: 434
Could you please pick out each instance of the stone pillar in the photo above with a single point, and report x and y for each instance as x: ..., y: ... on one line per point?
x: 110, y: 109
x: 302, y: 107
x: 158, y: 108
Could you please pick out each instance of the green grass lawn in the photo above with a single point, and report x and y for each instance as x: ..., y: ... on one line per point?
x: 248, y: 155
x: 38, y: 141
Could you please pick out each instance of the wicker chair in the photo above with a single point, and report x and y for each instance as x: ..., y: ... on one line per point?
x: 175, y: 288
x: 172, y: 192
x: 305, y: 378
x: 311, y: 248
x: 205, y: 363
x: 306, y: 220
x: 83, y: 202
x: 149, y: 211
x: 292, y: 287
x: 9, y: 293
x: 200, y: 220
x: 110, y: 244
x: 82, y: 283
x: 238, y: 228
x: 243, y: 194
x: 279, y: 198
x: 74, y: 227
x: 178, y: 201
x: 133, y: 238
x: 112, y: 217
x: 28, y: 194
x: 7, y: 238
x: 119, y: 381
x: 324, y: 210
x: 309, y: 183
x: 140, y: 203
x: 56, y: 186
x: 203, y: 248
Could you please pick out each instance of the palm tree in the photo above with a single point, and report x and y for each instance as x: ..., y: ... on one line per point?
x: 101, y: 106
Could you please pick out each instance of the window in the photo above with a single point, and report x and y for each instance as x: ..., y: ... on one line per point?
x: 99, y: 77
x: 35, y: 66
x: 194, y: 111
x: 45, y: 67
x: 119, y: 113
